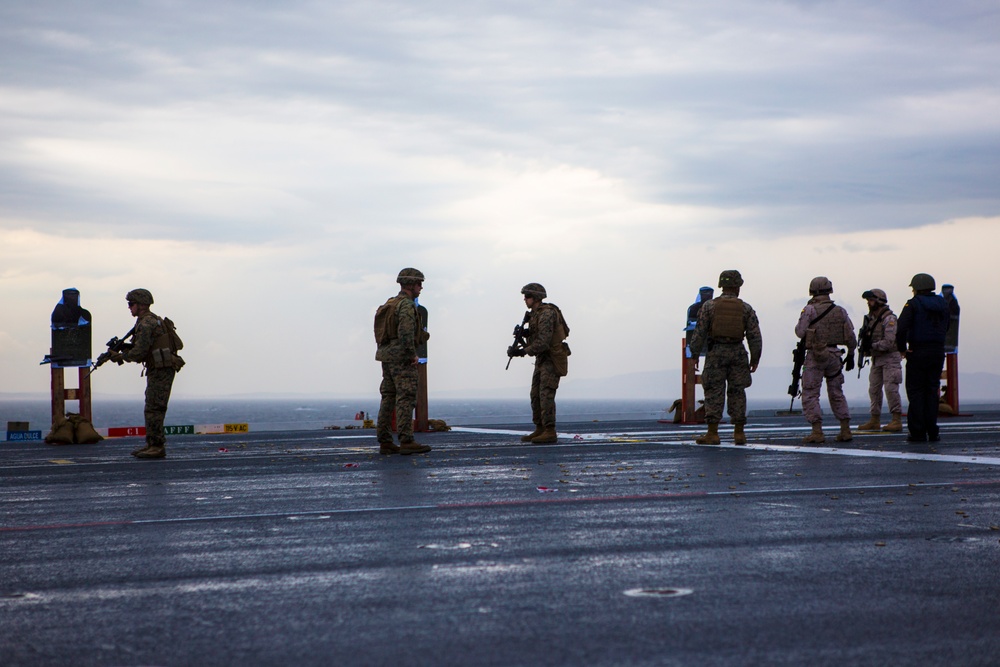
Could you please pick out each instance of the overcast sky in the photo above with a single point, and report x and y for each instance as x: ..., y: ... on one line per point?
x: 265, y: 169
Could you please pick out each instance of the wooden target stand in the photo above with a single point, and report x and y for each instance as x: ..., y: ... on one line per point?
x: 60, y: 394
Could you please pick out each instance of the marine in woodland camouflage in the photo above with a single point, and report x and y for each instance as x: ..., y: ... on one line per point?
x: 159, y: 381
x: 546, y: 331
x: 727, y: 367
x: 399, y: 374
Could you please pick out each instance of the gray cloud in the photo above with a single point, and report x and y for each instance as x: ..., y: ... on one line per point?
x: 864, y: 116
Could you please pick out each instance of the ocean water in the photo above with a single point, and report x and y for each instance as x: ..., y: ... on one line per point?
x: 290, y: 414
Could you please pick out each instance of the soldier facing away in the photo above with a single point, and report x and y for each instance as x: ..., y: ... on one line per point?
x: 723, y: 323
x: 920, y: 337
x: 547, y: 331
x: 878, y: 335
x: 398, y: 334
x: 155, y: 345
x: 825, y: 327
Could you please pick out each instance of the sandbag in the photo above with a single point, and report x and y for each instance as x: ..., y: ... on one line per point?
x: 61, y: 433
x: 83, y: 431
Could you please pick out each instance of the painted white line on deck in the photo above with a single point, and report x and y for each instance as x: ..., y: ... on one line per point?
x: 572, y: 438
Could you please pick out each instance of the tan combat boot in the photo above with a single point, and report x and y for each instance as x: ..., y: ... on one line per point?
x: 710, y: 438
x: 896, y: 425
x: 151, y: 452
x: 817, y: 434
x: 413, y: 447
x: 845, y: 434
x: 387, y: 448
x: 534, y: 434
x: 546, y: 436
x: 739, y: 437
x: 872, y: 424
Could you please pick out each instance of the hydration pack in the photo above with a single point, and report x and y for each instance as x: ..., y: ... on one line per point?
x: 387, y: 321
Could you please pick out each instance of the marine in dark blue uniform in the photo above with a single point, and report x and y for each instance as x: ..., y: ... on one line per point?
x: 920, y: 336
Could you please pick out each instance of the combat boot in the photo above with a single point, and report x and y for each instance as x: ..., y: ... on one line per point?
x: 413, y: 447
x: 710, y: 438
x: 817, y: 434
x: 387, y: 448
x: 534, y: 434
x: 845, y: 434
x: 152, y: 452
x: 546, y: 436
x: 896, y: 425
x: 872, y: 424
x: 739, y: 437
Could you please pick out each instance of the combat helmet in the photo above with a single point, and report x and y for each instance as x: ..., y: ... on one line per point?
x: 922, y: 282
x: 820, y: 285
x: 535, y: 290
x: 409, y: 275
x: 876, y: 294
x: 143, y: 296
x: 730, y: 278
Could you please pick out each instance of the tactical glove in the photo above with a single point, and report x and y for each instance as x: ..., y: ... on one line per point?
x: 849, y: 364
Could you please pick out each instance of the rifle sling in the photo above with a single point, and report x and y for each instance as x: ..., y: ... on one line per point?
x: 823, y: 314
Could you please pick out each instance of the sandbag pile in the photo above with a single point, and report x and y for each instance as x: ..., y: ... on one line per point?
x: 72, y: 430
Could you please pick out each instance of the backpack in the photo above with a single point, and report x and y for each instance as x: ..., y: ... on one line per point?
x: 165, y: 346
x: 387, y: 321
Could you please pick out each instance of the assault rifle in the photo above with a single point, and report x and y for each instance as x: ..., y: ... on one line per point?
x: 520, y: 334
x: 864, y: 342
x: 798, y: 358
x: 115, y: 346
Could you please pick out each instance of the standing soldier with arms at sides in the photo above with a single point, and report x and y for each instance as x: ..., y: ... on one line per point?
x: 547, y: 329
x: 155, y: 345
x: 920, y: 338
x: 723, y: 323
x: 878, y: 340
x: 398, y: 334
x: 825, y: 326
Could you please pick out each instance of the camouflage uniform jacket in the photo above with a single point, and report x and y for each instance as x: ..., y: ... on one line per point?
x: 546, y: 331
x: 403, y: 347
x: 148, y: 328
x: 882, y: 325
x: 751, y: 328
x: 833, y: 329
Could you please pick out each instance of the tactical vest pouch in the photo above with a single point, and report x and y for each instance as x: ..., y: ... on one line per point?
x: 815, y: 344
x: 727, y: 320
x: 164, y: 358
x: 387, y: 321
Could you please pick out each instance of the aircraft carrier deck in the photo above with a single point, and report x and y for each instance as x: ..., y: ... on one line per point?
x: 625, y: 543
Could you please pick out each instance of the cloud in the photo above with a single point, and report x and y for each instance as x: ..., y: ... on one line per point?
x: 268, y: 168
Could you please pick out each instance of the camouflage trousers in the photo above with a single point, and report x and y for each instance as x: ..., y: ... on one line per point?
x: 725, y: 379
x: 886, y: 373
x: 159, y: 381
x: 544, y: 383
x: 813, y: 372
x: 399, y: 397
